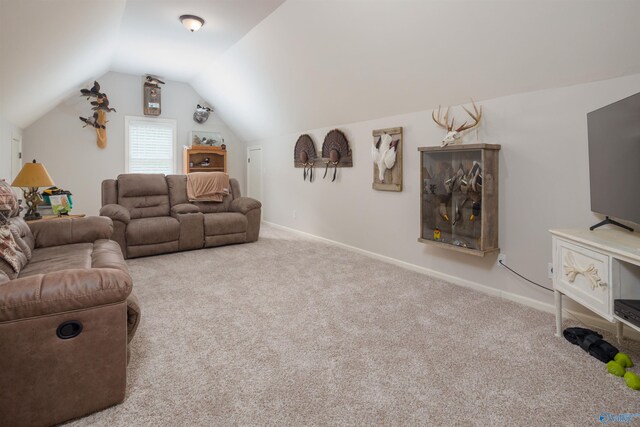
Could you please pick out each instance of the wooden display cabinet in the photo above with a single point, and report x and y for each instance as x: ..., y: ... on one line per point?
x: 197, y: 154
x: 459, y: 197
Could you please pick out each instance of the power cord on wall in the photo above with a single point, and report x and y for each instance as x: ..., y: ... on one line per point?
x: 539, y: 285
x: 521, y: 276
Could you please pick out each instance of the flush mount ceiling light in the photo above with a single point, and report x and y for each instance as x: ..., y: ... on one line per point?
x: 192, y: 22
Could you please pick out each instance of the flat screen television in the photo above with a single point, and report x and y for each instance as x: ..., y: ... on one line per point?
x: 614, y: 159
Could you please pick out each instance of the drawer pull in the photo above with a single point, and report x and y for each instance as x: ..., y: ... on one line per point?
x: 572, y: 269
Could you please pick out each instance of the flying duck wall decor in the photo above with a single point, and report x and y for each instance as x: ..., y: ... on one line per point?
x: 100, y: 107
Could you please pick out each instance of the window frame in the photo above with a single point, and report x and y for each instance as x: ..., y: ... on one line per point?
x: 172, y: 122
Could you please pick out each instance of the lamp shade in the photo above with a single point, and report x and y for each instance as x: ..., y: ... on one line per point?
x: 33, y: 175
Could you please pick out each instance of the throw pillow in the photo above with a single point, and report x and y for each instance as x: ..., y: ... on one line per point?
x: 8, y: 202
x: 23, y: 236
x: 22, y: 245
x: 10, y: 253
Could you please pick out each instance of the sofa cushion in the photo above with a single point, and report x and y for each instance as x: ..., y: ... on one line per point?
x: 107, y: 254
x: 177, y: 189
x: 146, y: 231
x: 145, y: 195
x: 142, y: 184
x: 57, y: 258
x: 224, y: 223
x: 109, y: 192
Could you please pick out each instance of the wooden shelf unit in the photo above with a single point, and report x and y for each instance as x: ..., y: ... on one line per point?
x: 196, y: 154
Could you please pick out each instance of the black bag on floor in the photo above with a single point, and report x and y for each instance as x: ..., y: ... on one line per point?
x: 591, y: 342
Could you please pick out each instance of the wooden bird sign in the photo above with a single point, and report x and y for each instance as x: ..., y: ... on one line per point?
x: 100, y: 109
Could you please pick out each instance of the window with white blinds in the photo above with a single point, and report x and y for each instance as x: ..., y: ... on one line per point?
x: 151, y: 145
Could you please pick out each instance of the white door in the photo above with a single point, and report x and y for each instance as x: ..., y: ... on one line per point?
x: 254, y: 172
x: 16, y: 155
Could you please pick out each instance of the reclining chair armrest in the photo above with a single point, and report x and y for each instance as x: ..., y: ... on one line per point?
x: 71, y: 230
x: 62, y: 291
x: 116, y: 213
x: 133, y: 315
x: 244, y: 205
x: 184, y: 208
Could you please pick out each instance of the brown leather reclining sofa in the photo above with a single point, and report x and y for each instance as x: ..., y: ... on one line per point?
x: 152, y: 215
x: 66, y: 319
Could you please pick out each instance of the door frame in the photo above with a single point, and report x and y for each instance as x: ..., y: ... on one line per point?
x: 16, y: 137
x: 249, y: 148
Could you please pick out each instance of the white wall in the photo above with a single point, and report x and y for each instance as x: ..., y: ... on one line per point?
x: 43, y: 61
x: 75, y: 162
x: 7, y: 129
x: 313, y: 63
x: 544, y: 183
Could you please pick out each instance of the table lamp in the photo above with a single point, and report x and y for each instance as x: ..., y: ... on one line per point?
x: 31, y: 177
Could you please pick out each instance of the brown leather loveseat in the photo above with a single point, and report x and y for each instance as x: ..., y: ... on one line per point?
x: 66, y: 318
x: 152, y: 215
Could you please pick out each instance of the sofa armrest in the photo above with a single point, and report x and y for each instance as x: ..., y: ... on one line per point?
x: 71, y: 230
x: 116, y: 213
x: 184, y: 208
x: 62, y: 291
x: 244, y: 204
x: 133, y: 315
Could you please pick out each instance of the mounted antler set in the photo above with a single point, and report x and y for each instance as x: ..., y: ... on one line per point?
x: 453, y: 135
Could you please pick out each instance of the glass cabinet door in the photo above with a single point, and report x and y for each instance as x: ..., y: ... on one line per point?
x: 459, y: 197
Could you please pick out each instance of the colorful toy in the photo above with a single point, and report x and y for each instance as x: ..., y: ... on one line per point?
x: 632, y: 380
x: 615, y: 368
x: 623, y: 360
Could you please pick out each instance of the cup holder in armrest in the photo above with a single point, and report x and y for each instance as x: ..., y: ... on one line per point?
x: 69, y: 329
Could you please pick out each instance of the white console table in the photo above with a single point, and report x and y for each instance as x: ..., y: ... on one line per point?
x: 594, y: 268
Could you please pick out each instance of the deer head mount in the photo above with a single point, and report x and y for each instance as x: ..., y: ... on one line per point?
x: 454, y: 135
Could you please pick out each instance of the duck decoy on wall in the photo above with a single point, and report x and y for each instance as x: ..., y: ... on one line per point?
x: 201, y: 114
x: 336, y: 152
x: 305, y: 156
x: 152, y: 96
x: 152, y: 81
x: 99, y: 118
x: 92, y: 121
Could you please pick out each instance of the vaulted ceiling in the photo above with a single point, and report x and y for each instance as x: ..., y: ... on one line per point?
x: 51, y: 48
x: 271, y: 68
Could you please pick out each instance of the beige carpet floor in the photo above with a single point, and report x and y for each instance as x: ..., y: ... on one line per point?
x: 292, y: 331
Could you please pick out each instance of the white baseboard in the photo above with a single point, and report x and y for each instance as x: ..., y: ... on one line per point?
x: 587, y: 319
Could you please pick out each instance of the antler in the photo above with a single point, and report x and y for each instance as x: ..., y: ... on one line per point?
x: 444, y: 122
x: 476, y: 117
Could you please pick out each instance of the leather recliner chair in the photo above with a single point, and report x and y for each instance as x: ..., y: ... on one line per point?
x: 66, y: 318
